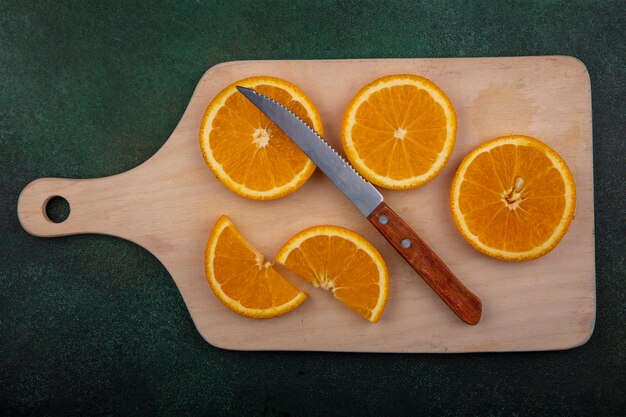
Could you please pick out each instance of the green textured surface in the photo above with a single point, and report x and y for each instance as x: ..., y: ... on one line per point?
x: 93, y: 325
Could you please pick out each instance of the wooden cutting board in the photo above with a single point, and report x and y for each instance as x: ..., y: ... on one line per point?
x: 169, y: 204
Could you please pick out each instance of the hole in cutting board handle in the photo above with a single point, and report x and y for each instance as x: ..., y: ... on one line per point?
x: 57, y: 209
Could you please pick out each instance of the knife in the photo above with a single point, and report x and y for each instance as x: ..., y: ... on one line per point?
x: 370, y: 202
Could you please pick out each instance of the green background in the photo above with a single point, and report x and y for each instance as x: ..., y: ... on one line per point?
x: 93, y: 325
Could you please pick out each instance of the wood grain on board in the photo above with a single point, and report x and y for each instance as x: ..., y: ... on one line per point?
x: 169, y: 204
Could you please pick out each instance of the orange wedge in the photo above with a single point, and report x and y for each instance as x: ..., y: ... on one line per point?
x: 342, y: 261
x: 513, y: 198
x: 399, y: 131
x: 241, y: 278
x: 248, y: 153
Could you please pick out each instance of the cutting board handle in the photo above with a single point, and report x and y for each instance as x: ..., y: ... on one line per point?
x: 92, y: 206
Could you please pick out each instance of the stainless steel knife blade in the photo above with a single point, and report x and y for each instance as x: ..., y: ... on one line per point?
x: 360, y: 192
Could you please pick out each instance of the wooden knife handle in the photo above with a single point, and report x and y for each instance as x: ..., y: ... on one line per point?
x: 427, y: 264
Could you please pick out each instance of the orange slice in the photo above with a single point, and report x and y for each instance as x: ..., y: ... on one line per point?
x: 513, y: 198
x: 248, y: 153
x: 241, y: 278
x: 343, y: 262
x: 399, y: 131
